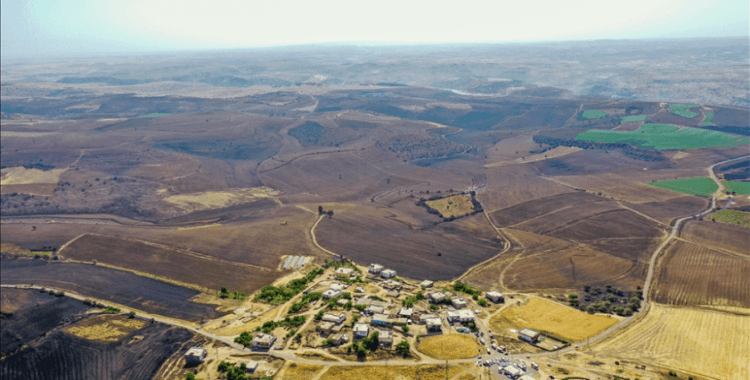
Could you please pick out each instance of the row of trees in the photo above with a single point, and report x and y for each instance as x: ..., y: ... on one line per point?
x: 278, y: 295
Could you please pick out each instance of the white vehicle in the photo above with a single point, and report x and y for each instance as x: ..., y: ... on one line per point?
x: 534, y: 366
x: 488, y: 351
x: 482, y: 340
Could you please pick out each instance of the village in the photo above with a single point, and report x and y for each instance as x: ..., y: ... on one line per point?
x: 354, y: 314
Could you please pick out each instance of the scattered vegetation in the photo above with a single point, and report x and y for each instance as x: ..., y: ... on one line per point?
x: 709, y: 118
x: 235, y: 295
x: 306, y: 299
x: 111, y: 310
x: 281, y: 294
x: 702, y: 186
x: 730, y: 217
x: 244, y: 339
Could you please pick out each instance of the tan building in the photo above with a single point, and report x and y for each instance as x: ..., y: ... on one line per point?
x: 264, y: 341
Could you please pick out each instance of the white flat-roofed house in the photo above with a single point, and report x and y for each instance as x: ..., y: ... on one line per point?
x: 426, y: 284
x: 424, y: 317
x: 333, y: 318
x: 434, y: 324
x: 374, y: 309
x: 331, y: 293
x: 361, y: 330
x: 337, y: 286
x: 495, y: 296
x: 343, y: 272
x: 381, y: 320
x: 406, y: 312
x: 264, y: 341
x: 251, y: 366
x: 326, y: 327
x: 528, y: 335
x: 385, y: 337
x: 460, y: 315
x: 437, y: 297
x: 458, y: 303
x: 376, y: 268
x: 388, y: 273
x: 195, y: 355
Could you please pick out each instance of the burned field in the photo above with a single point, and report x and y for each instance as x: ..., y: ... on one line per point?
x: 121, y: 287
x: 59, y: 355
x: 202, y: 270
x: 698, y: 276
x: 436, y: 252
x: 29, y: 314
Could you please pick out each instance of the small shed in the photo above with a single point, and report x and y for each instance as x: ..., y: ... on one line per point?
x: 251, y: 366
x: 195, y: 355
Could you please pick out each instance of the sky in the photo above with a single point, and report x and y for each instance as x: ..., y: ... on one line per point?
x: 70, y: 28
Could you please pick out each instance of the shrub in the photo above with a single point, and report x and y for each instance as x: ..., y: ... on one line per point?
x: 482, y: 302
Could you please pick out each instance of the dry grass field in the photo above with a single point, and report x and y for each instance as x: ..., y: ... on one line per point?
x: 455, y: 206
x: 22, y: 176
x: 562, y: 321
x: 624, y: 186
x: 219, y: 199
x: 450, y: 346
x: 703, y: 343
x: 667, y: 211
x: 105, y: 329
x: 395, y: 372
x: 548, y: 155
x: 529, y: 211
x: 300, y: 371
x: 690, y: 274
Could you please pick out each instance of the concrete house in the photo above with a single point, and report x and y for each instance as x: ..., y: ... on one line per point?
x: 333, y: 318
x: 381, y: 320
x: 495, y: 296
x: 251, y: 366
x: 458, y: 303
x: 426, y: 284
x: 374, y: 309
x: 343, y: 272
x: 195, y: 355
x: 331, y: 293
x: 424, y: 317
x: 528, y: 335
x: 376, y: 268
x: 434, y: 324
x: 437, y: 297
x: 325, y: 327
x: 337, y: 286
x: 406, y: 312
x: 361, y: 330
x: 460, y: 315
x: 385, y: 337
x: 388, y: 273
x: 264, y: 341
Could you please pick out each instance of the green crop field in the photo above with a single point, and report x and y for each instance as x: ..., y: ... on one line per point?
x: 629, y: 119
x: 709, y: 117
x: 730, y: 217
x: 157, y: 114
x: 694, y: 186
x: 742, y: 188
x: 683, y: 110
x: 665, y: 137
x: 592, y: 114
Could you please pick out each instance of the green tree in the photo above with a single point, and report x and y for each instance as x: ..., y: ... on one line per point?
x: 405, y: 328
x: 482, y: 302
x: 403, y: 348
x: 244, y: 339
x: 189, y: 376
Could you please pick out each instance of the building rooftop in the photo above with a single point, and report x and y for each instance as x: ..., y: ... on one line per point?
x: 529, y: 332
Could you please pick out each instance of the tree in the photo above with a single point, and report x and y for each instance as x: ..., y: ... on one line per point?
x: 244, y: 339
x: 224, y: 289
x: 189, y: 376
x: 405, y: 328
x: 319, y: 316
x: 320, y: 210
x: 482, y: 302
x: 403, y: 348
x: 330, y: 213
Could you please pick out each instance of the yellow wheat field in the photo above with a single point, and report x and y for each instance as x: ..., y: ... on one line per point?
x: 703, y: 342
x: 301, y: 371
x: 105, y: 329
x: 392, y: 372
x: 557, y: 319
x: 450, y: 346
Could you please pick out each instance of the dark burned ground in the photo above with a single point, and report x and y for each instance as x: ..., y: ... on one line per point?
x: 34, y: 313
x: 125, y: 288
x: 528, y: 210
x: 377, y: 236
x: 184, y: 266
x: 62, y: 356
x: 668, y: 210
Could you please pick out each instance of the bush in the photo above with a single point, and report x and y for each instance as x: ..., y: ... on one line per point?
x: 672, y: 373
x: 111, y: 310
x: 244, y: 339
x: 482, y: 302
x: 189, y: 376
x: 405, y: 329
x: 403, y: 348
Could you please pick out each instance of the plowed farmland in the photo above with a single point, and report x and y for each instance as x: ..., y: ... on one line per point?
x: 707, y: 344
x: 720, y: 236
x: 438, y: 252
x: 107, y: 284
x: 694, y: 275
x: 511, y: 185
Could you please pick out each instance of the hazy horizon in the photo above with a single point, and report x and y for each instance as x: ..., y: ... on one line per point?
x: 52, y: 29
